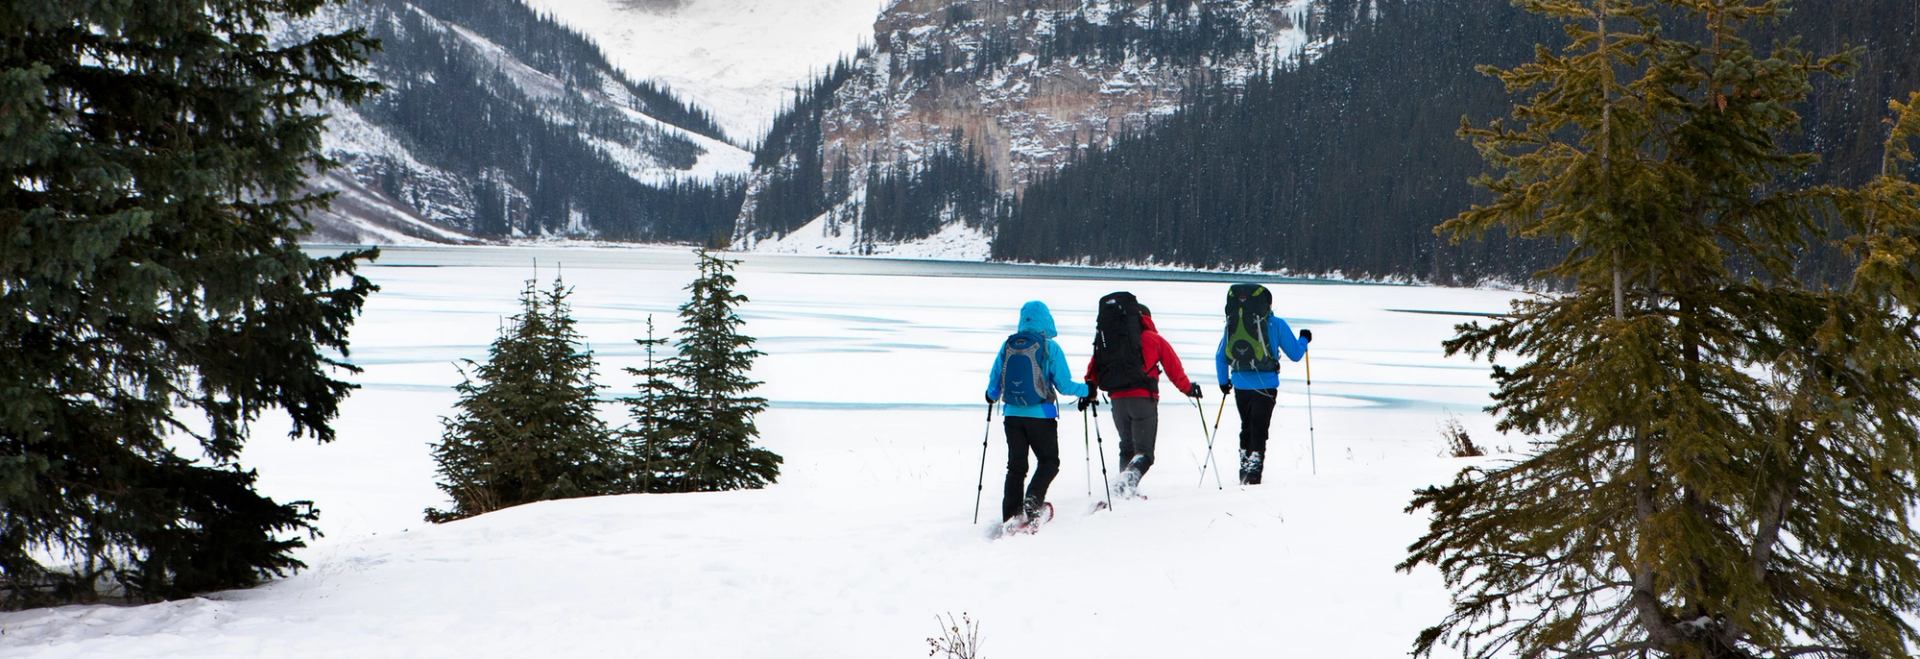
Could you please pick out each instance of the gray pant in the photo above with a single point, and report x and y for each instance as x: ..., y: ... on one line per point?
x: 1139, y: 422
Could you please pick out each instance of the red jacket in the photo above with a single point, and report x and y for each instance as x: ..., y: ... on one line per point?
x: 1154, y: 351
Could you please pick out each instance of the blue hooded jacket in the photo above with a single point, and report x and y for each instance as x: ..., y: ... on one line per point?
x: 1280, y: 340
x: 1036, y: 318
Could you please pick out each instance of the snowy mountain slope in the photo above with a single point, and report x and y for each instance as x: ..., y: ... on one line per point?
x: 738, y: 58
x: 498, y: 124
x: 1019, y: 89
x: 866, y: 536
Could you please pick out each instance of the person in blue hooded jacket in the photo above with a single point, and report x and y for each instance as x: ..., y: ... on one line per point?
x: 1256, y: 387
x: 1028, y: 372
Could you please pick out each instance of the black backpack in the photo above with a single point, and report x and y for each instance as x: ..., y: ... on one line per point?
x: 1248, y: 308
x: 1117, y: 362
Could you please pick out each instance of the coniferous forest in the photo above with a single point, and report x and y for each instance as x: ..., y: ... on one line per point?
x: 1347, y: 163
x: 796, y: 190
x: 1343, y: 164
x: 530, y: 174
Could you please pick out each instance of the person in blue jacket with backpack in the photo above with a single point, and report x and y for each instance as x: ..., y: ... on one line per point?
x: 1027, y: 375
x: 1246, y: 365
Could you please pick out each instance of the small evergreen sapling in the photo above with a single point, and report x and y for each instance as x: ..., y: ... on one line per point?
x: 526, y: 427
x: 711, y: 414
x: 653, y: 424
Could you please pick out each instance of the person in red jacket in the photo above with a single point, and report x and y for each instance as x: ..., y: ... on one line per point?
x: 1137, y: 411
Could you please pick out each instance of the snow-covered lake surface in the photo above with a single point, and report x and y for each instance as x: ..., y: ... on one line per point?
x: 874, y: 369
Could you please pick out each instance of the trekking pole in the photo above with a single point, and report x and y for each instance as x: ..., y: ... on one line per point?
x: 1202, y: 413
x: 1210, y: 438
x: 1087, y: 451
x: 1313, y: 450
x: 1102, y: 444
x: 981, y: 488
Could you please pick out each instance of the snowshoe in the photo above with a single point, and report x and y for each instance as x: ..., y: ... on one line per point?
x: 1127, y: 486
x: 1101, y: 504
x: 1027, y: 524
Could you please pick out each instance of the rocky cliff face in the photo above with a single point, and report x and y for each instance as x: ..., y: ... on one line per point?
x: 1016, y: 87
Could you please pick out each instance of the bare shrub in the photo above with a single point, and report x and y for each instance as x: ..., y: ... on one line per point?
x: 1459, y: 445
x: 957, y: 640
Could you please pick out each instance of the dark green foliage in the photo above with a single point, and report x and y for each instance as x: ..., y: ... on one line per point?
x: 526, y: 429
x: 1731, y: 451
x: 653, y: 424
x: 1344, y: 164
x: 951, y: 183
x: 793, y: 161
x: 708, y: 421
x: 153, y: 160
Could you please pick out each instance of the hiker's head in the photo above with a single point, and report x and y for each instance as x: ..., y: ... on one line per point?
x: 1035, y: 317
x: 1144, y: 311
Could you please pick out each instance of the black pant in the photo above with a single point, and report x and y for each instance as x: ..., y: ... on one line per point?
x: 1256, y: 414
x: 1042, y: 436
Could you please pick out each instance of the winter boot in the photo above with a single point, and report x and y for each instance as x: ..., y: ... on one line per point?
x: 1127, y: 486
x: 1021, y: 523
x: 1251, y: 464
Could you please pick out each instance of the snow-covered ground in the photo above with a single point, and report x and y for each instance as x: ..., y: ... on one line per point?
x: 738, y: 59
x: 875, y: 370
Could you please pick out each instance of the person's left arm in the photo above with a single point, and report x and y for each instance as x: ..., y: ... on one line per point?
x: 1284, y: 340
x: 1061, y: 373
x: 1170, y: 362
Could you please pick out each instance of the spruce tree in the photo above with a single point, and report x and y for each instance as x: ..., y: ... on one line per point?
x: 1728, y: 454
x: 652, y: 423
x: 153, y: 166
x: 712, y: 414
x: 526, y: 428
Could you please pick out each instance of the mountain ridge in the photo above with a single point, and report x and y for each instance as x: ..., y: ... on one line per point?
x: 497, y: 124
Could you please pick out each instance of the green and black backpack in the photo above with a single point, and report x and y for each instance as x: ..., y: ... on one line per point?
x: 1248, y: 308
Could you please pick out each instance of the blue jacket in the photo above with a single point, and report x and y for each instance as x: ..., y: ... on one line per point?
x: 1280, y: 340
x: 1036, y: 318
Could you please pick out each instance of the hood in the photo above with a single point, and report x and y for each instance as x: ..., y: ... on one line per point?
x: 1035, y: 317
x: 1146, y: 324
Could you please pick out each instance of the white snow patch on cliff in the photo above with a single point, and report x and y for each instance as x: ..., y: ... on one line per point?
x: 955, y: 242
x: 740, y: 59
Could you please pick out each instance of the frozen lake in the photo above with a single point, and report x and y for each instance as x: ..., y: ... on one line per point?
x: 874, y: 369
x: 851, y: 344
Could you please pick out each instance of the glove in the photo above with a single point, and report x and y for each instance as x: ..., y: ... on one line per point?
x: 990, y: 399
x: 1306, y: 335
x: 1086, y: 402
x: 1193, y: 390
x: 1226, y: 388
